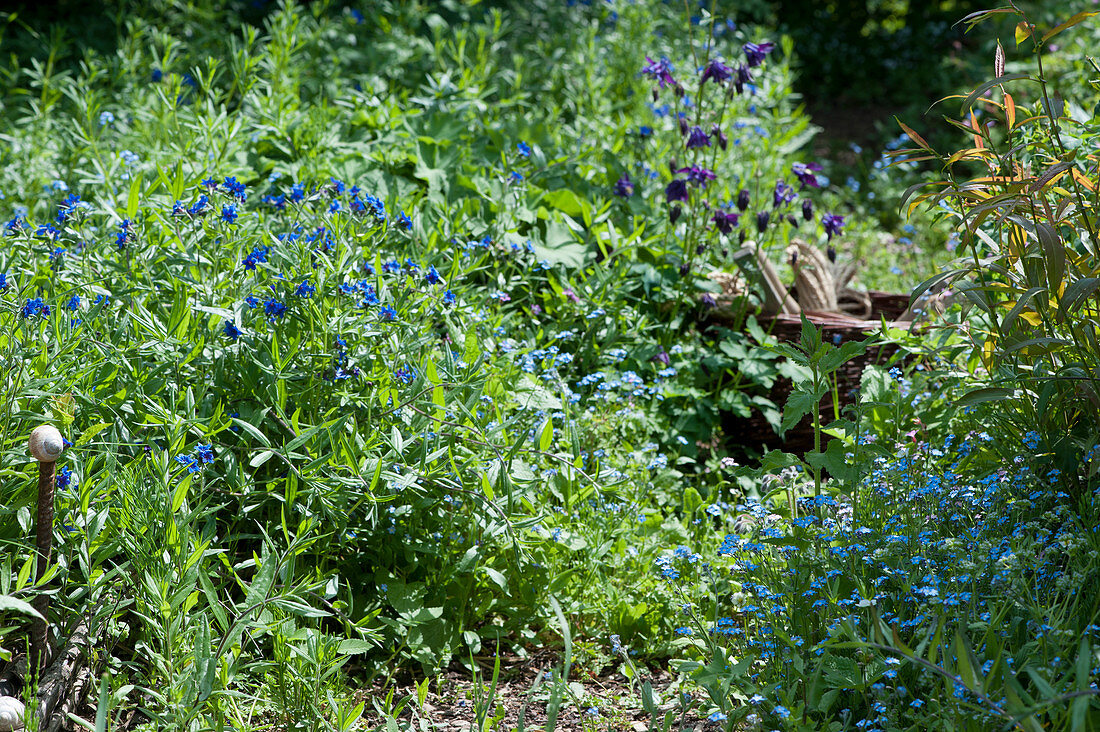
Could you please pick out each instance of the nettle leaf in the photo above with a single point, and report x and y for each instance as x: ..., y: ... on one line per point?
x: 798, y: 405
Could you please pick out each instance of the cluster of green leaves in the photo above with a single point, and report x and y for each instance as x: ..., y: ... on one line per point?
x: 1023, y: 196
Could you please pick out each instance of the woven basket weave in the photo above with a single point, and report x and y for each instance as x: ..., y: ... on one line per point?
x: 755, y: 432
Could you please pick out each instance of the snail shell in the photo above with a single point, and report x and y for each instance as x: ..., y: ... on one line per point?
x: 45, y: 444
x: 11, y: 714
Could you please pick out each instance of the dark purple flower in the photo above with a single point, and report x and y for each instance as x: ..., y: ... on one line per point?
x: 698, y: 175
x: 762, y: 221
x: 744, y: 76
x: 662, y: 357
x: 783, y: 194
x: 725, y: 220
x: 716, y: 71
x: 683, y: 126
x: 807, y: 209
x: 676, y: 190
x: 755, y: 54
x: 708, y: 301
x: 624, y: 187
x: 660, y: 71
x: 674, y: 214
x: 833, y: 224
x: 805, y: 174
x: 697, y: 138
x: 716, y: 131
x: 743, y: 199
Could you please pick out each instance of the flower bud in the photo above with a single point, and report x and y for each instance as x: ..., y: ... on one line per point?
x: 743, y: 199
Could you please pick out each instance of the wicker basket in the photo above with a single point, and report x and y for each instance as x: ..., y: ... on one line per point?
x: 755, y: 432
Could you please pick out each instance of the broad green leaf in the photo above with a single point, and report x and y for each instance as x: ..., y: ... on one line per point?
x: 15, y: 605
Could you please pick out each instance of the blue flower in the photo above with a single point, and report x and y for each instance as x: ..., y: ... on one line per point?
x: 200, y: 207
x: 125, y: 233
x: 449, y: 298
x: 273, y: 309
x: 387, y: 313
x: 35, y: 307
x: 432, y: 276
x: 524, y: 149
x: 204, y: 453
x: 404, y: 222
x: 258, y: 254
x: 236, y: 189
x: 624, y: 187
x: 305, y: 289
x: 231, y: 330
x: 229, y: 213
x: 64, y: 478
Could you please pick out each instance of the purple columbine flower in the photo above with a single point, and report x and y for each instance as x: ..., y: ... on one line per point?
x: 755, y: 54
x: 833, y: 224
x: 674, y: 214
x: 698, y: 175
x: 716, y: 71
x: 660, y: 71
x: 717, y: 133
x: 783, y: 194
x: 744, y: 76
x: 725, y: 220
x: 805, y: 172
x: 697, y: 138
x: 676, y: 190
x: 807, y: 209
x: 743, y: 199
x: 624, y: 187
x: 762, y: 219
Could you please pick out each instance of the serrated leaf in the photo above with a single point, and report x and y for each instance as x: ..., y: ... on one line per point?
x: 798, y: 405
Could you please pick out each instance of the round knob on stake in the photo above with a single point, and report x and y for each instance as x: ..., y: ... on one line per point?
x: 46, y: 444
x: 11, y: 714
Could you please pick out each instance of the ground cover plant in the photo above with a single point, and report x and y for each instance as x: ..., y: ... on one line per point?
x: 384, y: 341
